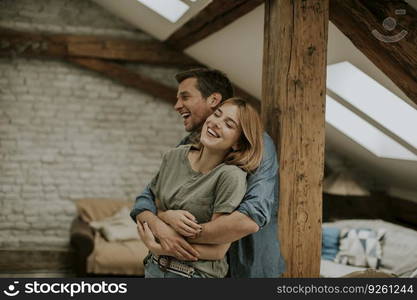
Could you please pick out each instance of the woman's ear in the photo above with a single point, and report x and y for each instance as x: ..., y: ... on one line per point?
x: 214, y: 100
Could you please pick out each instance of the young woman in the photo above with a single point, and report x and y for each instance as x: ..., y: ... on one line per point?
x: 199, y: 183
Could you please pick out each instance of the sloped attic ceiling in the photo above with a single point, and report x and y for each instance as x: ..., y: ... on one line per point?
x: 240, y: 56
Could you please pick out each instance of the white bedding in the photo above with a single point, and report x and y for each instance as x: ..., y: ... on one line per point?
x: 332, y: 269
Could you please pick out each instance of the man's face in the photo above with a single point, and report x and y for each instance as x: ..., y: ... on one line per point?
x: 193, y: 108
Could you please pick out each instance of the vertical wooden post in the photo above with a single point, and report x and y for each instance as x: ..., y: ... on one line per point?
x: 293, y: 107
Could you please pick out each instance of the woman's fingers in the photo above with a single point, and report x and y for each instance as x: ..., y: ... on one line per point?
x: 192, y: 224
x: 181, y: 229
x: 190, y: 216
x: 185, y: 233
x: 141, y: 231
x: 147, y: 231
x: 187, y: 229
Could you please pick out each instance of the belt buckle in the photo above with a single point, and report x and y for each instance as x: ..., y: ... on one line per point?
x: 161, y: 266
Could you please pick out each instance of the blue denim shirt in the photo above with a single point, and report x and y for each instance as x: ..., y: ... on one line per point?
x: 257, y: 255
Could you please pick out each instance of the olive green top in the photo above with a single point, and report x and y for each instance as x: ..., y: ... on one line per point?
x: 178, y: 186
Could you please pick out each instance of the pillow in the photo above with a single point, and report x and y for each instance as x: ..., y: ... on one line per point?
x: 360, y: 247
x: 330, y: 243
x: 399, y: 246
x: 92, y: 209
x: 118, y: 227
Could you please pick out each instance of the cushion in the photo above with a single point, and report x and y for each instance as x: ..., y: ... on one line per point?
x: 95, y: 209
x: 330, y: 243
x: 118, y: 227
x: 118, y: 258
x: 399, y: 254
x: 360, y: 247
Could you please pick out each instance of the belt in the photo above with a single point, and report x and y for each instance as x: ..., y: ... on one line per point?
x: 170, y: 264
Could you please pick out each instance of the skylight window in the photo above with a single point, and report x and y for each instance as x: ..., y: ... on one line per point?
x: 374, y: 100
x: 171, y: 10
x: 364, y: 133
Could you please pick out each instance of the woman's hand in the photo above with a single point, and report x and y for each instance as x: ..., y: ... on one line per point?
x: 148, y: 239
x: 181, y: 221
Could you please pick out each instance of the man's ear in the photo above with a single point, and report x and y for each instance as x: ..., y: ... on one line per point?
x: 214, y: 100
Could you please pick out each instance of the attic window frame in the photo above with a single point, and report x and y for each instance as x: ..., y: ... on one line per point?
x: 361, y: 132
x: 171, y: 10
x: 367, y: 99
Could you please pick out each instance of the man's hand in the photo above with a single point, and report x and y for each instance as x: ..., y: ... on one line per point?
x: 148, y: 238
x: 181, y: 221
x: 168, y: 238
x: 174, y: 243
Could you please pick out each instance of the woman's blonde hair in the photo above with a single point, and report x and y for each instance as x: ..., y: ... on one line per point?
x: 248, y: 156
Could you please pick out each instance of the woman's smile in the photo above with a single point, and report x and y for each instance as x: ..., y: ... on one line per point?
x: 212, y: 133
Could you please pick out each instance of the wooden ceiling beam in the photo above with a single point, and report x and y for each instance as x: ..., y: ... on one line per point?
x: 123, y: 75
x: 214, y: 17
x: 367, y: 24
x: 98, y: 53
x: 69, y: 45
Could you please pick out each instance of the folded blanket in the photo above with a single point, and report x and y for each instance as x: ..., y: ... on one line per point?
x: 118, y: 227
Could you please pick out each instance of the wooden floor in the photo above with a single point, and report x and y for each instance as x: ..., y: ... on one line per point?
x: 36, y: 263
x: 38, y: 274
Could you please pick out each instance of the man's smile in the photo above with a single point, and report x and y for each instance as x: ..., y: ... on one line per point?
x: 185, y: 115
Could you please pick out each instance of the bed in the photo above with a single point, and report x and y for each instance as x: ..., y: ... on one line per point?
x: 378, y: 212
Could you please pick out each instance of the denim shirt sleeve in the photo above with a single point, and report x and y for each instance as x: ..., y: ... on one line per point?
x: 262, y: 189
x: 146, y: 200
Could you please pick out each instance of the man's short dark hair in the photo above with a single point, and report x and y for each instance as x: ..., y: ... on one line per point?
x: 209, y: 81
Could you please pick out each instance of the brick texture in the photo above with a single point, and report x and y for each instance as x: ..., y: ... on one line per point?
x: 68, y: 133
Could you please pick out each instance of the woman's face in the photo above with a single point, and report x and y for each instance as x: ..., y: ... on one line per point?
x: 222, y: 129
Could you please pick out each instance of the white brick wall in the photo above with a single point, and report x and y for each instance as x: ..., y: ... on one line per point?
x: 68, y: 133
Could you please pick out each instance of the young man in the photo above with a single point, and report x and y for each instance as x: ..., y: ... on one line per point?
x: 253, y: 226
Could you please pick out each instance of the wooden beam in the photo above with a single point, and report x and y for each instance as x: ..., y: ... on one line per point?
x: 214, y: 17
x: 394, y: 52
x: 294, y: 88
x: 69, y: 45
x: 127, y: 77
